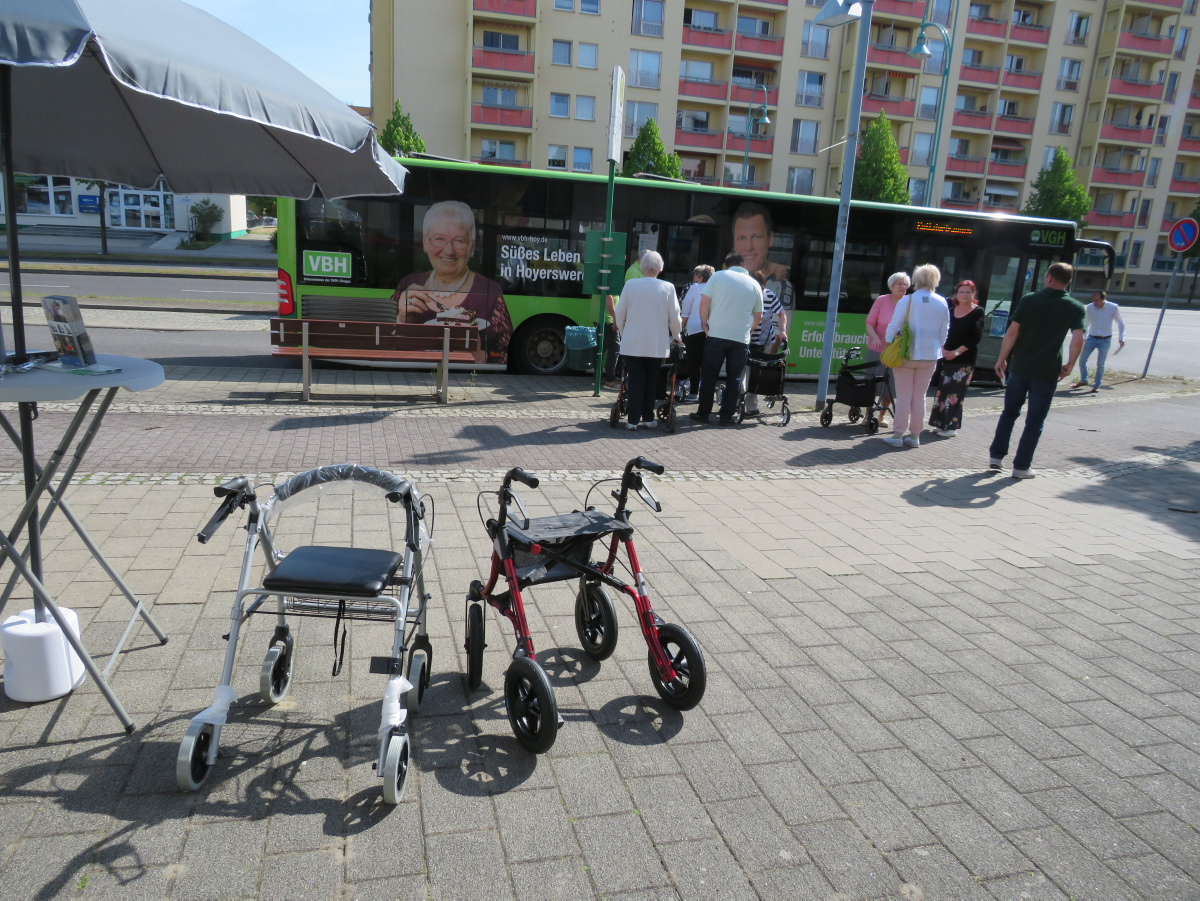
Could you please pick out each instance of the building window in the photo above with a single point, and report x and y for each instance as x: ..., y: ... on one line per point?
x: 43, y: 195
x: 810, y: 89
x: 941, y: 12
x: 916, y: 191
x: 585, y: 108
x: 648, y: 18
x: 960, y: 147
x: 696, y: 70
x: 972, y: 57
x: 490, y: 149
x: 1152, y: 172
x: 752, y: 26
x: 692, y: 120
x: 1135, y: 254
x: 805, y: 133
x: 800, y: 181
x: 1181, y: 41
x: 1160, y: 136
x: 637, y: 114
x: 1010, y: 108
x: 645, y: 67
x: 590, y: 7
x: 499, y: 40
x: 556, y: 156
x: 701, y: 19
x: 581, y: 159
x: 927, y: 106
x: 506, y: 97
x: 1068, y: 74
x: 560, y: 53
x: 1077, y: 29
x: 979, y: 11
x: 1013, y: 63
x: 922, y: 148
x: 587, y: 56
x: 565, y: 5
x: 1023, y: 17
x: 1060, y: 118
x: 560, y: 106
x: 1172, y: 87
x: 738, y: 175
x: 814, y: 42
x: 1143, y: 219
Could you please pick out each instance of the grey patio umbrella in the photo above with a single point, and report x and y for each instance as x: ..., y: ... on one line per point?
x: 132, y: 91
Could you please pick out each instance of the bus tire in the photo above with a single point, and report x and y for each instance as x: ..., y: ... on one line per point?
x: 539, y: 346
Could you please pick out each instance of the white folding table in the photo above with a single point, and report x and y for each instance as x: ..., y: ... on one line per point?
x: 44, y: 386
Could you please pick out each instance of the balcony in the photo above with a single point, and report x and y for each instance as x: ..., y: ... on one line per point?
x: 770, y: 2
x: 971, y: 165
x: 503, y: 60
x: 905, y: 8
x: 713, y: 39
x: 503, y: 116
x: 981, y: 74
x: 497, y: 161
x: 1132, y: 87
x: 1143, y: 42
x: 815, y: 49
x: 1014, y: 125
x: 1000, y: 206
x: 698, y: 137
x: 1109, y: 219
x: 1182, y: 184
x: 892, y: 57
x: 1029, y: 34
x: 700, y: 179
x: 760, y: 145
x: 762, y: 44
x: 958, y: 203
x: 704, y: 90
x: 1189, y: 143
x: 889, y: 104
x: 507, y: 7
x: 987, y: 28
x: 977, y: 119
x: 749, y: 186
x: 1022, y: 81
x: 1194, y: 100
x: 904, y: 156
x: 739, y: 93
x: 1096, y: 259
x: 1007, y: 168
x: 1126, y: 134
x: 1169, y: 4
x: 1167, y: 224
x: 1131, y: 177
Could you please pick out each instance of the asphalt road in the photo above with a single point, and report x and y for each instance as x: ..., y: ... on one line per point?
x: 155, y: 287
x: 1175, y: 352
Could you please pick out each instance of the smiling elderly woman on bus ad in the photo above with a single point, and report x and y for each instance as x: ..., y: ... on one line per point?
x: 450, y: 293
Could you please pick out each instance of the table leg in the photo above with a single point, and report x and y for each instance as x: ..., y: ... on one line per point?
x: 25, y: 412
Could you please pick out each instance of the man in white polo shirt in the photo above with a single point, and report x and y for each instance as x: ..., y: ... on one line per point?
x: 1102, y: 314
x: 730, y: 309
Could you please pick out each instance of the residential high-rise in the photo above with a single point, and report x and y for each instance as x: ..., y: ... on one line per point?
x: 527, y: 83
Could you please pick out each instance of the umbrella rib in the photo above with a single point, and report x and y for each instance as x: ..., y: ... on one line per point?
x: 292, y: 157
x: 132, y: 117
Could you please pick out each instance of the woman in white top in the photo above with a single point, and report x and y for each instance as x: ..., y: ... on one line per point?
x: 647, y: 317
x: 928, y: 318
x: 693, y: 333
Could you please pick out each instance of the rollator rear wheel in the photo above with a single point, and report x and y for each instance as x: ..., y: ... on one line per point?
x: 740, y: 413
x: 614, y: 415
x: 671, y: 422
x: 827, y: 416
x: 418, y: 675
x: 474, y: 646
x: 785, y: 414
x: 871, y: 425
x: 855, y: 414
x: 275, y: 678
x: 595, y: 622
x: 529, y: 700
x: 191, y: 767
x: 395, y: 768
x: 688, y: 660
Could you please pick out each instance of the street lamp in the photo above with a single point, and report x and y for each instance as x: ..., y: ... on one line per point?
x: 833, y: 14
x: 752, y: 116
x: 922, y: 51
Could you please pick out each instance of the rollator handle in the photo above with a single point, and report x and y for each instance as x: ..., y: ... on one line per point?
x: 227, y: 506
x: 232, y: 487
x: 649, y: 465
x: 520, y: 475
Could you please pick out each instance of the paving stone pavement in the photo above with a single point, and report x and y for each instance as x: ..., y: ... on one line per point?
x: 925, y: 680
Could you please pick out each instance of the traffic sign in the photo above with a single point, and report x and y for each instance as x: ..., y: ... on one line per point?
x: 1183, y: 235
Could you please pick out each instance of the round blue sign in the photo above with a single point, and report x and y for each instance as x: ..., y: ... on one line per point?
x: 1183, y: 235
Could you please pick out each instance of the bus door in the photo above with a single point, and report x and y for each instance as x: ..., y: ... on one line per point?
x: 1010, y: 276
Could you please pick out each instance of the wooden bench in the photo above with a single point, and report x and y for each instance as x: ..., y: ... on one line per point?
x: 438, y: 345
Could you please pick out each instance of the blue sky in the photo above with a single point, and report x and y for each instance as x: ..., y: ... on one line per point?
x: 327, y: 40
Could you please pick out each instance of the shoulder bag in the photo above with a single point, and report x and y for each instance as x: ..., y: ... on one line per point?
x: 897, y: 351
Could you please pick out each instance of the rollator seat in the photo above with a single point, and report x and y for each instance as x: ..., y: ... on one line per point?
x: 343, y: 571
x: 583, y: 524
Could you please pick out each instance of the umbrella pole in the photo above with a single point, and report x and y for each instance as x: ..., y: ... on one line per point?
x: 27, y: 411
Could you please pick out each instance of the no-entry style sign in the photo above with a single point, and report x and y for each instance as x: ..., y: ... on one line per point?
x: 1183, y: 235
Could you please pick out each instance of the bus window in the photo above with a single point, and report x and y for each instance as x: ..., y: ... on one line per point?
x: 689, y: 246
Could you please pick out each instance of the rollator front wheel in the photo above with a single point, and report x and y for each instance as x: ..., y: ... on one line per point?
x: 855, y: 414
x: 191, y: 764
x: 275, y: 678
x: 688, y: 661
x: 529, y: 700
x: 595, y: 621
x: 785, y: 414
x: 827, y: 416
x: 871, y: 425
x: 671, y: 422
x: 474, y: 646
x: 395, y: 768
x: 614, y: 415
x: 418, y: 675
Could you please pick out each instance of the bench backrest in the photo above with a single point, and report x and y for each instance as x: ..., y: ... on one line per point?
x: 353, y: 335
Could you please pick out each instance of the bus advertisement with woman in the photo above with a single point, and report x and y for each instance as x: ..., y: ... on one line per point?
x: 502, y: 250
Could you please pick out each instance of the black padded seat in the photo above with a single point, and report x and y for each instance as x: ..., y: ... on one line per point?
x: 340, y: 571
x: 584, y: 524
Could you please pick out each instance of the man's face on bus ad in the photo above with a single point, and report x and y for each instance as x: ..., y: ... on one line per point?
x: 752, y: 240
x: 448, y: 245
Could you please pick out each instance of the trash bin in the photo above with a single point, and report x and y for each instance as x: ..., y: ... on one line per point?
x: 581, y: 347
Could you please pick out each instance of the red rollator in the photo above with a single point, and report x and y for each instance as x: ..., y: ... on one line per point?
x: 547, y: 549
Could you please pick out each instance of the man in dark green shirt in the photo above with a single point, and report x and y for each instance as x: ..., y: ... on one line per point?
x: 1031, y: 364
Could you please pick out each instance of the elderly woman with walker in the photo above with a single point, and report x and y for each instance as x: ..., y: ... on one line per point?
x: 647, y: 317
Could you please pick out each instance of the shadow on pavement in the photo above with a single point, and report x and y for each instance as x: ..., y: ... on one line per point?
x: 971, y: 492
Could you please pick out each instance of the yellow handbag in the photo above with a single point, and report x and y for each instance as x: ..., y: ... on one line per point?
x: 897, y: 351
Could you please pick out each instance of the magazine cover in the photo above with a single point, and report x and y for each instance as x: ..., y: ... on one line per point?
x: 70, y: 335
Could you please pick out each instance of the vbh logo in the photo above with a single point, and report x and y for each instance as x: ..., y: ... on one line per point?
x: 325, y: 264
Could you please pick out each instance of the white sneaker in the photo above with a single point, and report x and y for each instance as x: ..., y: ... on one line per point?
x: 650, y: 424
x: 894, y: 440
x: 692, y: 399
x: 995, y: 463
x: 912, y: 441
x: 631, y: 426
x: 946, y: 433
x: 1024, y: 474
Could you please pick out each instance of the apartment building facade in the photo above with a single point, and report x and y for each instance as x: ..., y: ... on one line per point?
x: 751, y: 91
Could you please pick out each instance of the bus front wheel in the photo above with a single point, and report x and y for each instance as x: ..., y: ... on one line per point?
x: 539, y: 346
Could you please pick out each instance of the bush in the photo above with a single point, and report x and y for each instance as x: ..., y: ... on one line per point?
x: 207, y: 215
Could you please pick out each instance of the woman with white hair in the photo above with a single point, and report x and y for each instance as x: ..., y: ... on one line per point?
x: 928, y: 318
x: 877, y: 323
x: 647, y: 317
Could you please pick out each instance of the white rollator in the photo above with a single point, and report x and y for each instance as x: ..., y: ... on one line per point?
x: 337, y: 582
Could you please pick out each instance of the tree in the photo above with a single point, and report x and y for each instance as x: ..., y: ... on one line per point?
x: 261, y: 206
x: 1056, y: 194
x: 399, y: 136
x: 649, y: 155
x: 878, y: 173
x: 207, y: 214
x: 102, y: 186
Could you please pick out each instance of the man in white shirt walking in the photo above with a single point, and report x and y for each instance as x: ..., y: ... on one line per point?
x: 1102, y: 314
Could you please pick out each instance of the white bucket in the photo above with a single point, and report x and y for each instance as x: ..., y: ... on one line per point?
x: 39, y: 663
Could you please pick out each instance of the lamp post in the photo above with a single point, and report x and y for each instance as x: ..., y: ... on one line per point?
x: 751, y: 117
x: 833, y: 14
x: 921, y: 50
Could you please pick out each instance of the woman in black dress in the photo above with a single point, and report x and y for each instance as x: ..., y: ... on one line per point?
x: 958, y: 360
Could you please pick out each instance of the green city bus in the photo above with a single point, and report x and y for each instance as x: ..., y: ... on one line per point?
x: 502, y: 249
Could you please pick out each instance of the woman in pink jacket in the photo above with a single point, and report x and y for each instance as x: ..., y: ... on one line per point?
x: 877, y: 323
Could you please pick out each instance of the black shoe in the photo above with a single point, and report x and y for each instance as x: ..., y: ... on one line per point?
x: 728, y: 422
x: 698, y: 417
